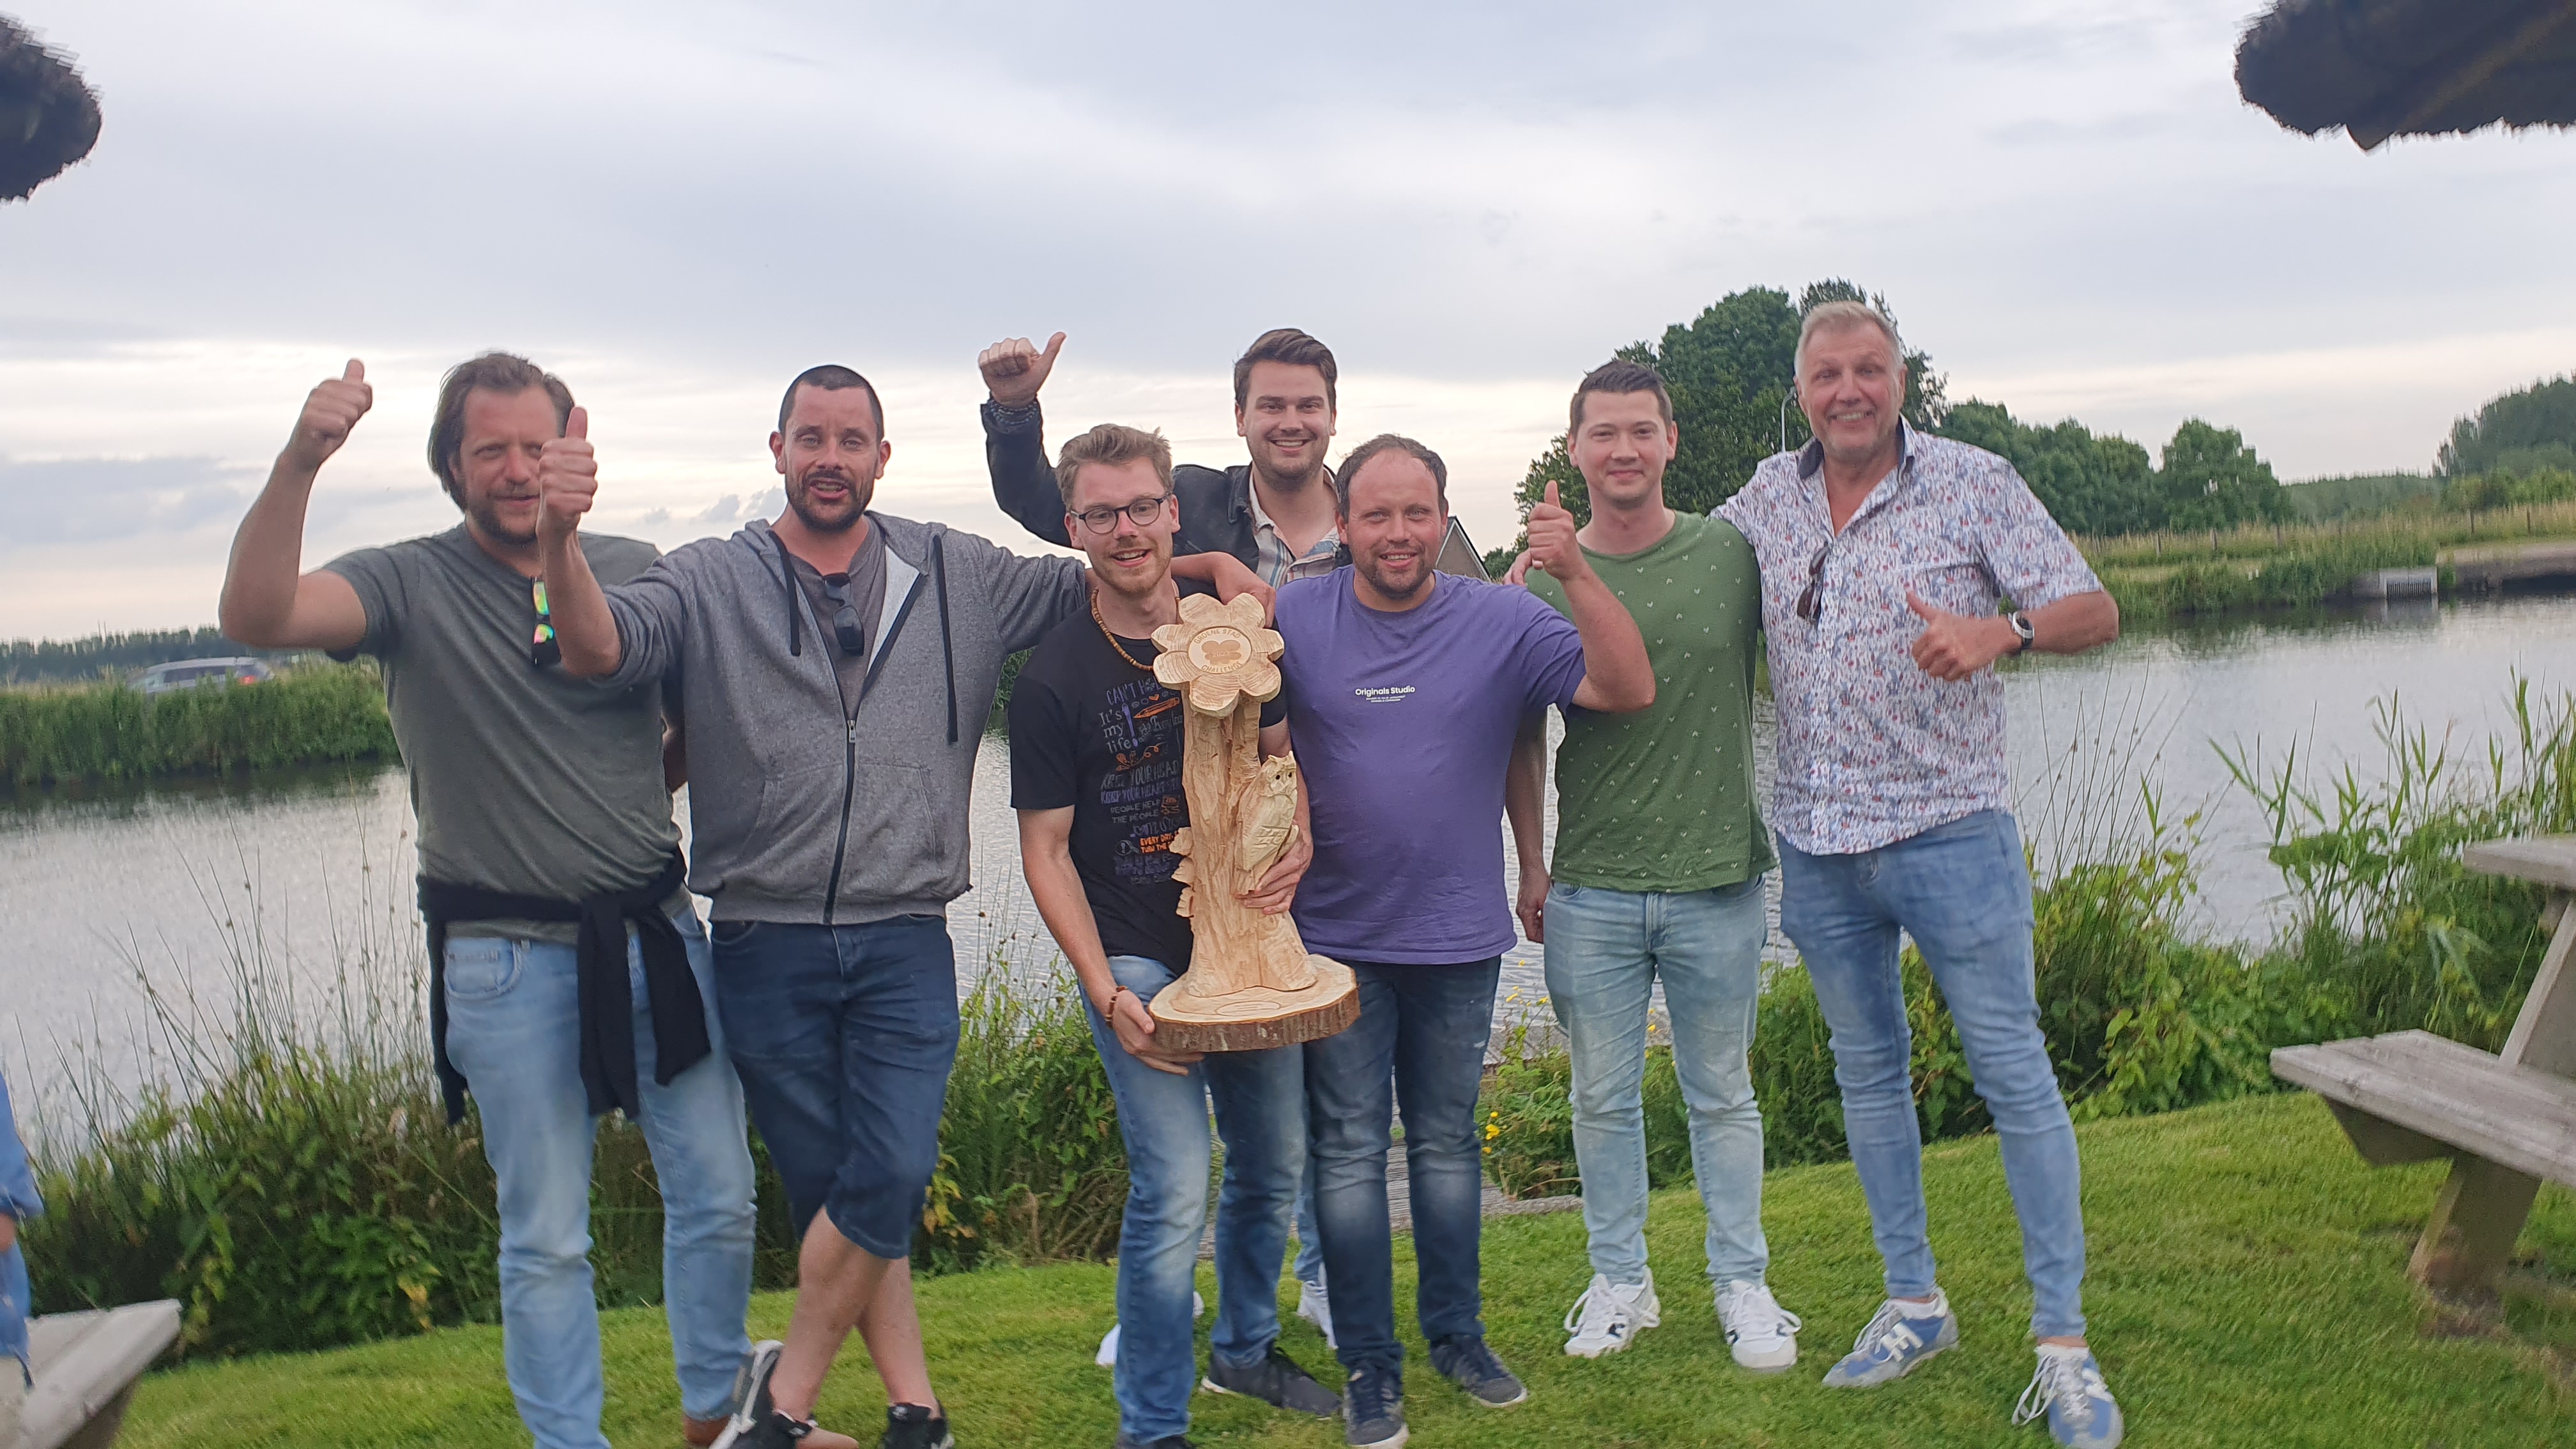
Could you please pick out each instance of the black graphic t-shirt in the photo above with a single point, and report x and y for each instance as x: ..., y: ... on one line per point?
x: 1092, y: 731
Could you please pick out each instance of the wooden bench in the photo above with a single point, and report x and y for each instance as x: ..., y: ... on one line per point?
x: 2507, y: 1122
x: 85, y: 1367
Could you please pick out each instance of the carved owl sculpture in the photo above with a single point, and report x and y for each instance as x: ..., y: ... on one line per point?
x: 1266, y: 816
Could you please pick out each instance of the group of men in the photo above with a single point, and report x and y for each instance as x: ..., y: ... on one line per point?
x: 820, y: 682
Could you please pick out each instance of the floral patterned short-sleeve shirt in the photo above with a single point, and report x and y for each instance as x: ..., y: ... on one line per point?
x: 1872, y: 750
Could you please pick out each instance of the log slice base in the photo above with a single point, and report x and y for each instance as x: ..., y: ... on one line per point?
x: 1257, y: 1018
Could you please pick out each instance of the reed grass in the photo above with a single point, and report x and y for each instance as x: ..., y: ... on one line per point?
x: 108, y: 731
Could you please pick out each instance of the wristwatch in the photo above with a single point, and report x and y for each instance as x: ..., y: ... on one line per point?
x: 2021, y: 626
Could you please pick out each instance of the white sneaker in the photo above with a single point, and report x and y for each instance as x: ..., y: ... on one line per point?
x: 1763, y: 1334
x: 1107, y: 1357
x: 1609, y: 1314
x: 1316, y: 1307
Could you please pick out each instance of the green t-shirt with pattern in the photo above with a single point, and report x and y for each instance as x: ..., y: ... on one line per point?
x: 1663, y: 799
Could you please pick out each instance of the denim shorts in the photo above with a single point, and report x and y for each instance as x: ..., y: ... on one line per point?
x: 843, y: 1036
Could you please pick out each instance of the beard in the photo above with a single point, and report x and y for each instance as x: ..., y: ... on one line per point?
x: 838, y: 518
x: 1368, y: 569
x: 1139, y: 587
x: 487, y: 521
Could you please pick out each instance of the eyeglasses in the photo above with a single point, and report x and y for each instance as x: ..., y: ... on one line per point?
x: 1141, y: 512
x: 1811, y: 604
x: 547, y: 649
x: 845, y: 615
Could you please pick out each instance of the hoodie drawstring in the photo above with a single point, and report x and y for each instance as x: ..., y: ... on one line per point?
x: 947, y: 651
x: 795, y: 616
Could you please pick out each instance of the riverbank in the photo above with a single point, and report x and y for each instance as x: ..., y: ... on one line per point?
x: 2163, y: 576
x: 110, y: 732
x: 2246, y: 1286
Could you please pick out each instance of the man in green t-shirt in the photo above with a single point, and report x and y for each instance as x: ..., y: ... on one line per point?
x: 1660, y: 855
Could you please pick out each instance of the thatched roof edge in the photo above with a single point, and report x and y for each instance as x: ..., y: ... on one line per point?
x: 2377, y: 68
x: 48, y: 118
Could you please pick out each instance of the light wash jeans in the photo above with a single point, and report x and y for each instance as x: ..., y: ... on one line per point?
x: 1260, y: 1100
x: 1605, y: 951
x: 1962, y: 891
x: 513, y: 1009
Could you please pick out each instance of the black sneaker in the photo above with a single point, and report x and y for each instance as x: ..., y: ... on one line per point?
x: 750, y: 1412
x: 910, y: 1426
x: 776, y: 1431
x: 1373, y: 1409
x: 1464, y: 1360
x: 1276, y: 1381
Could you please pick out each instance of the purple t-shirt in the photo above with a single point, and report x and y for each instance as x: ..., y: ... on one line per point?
x: 1403, y: 726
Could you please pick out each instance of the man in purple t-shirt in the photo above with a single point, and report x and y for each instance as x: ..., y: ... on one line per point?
x: 1406, y: 689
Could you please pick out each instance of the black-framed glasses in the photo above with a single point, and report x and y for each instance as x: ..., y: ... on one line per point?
x: 1811, y: 604
x: 1141, y: 512
x: 546, y: 649
x: 845, y: 614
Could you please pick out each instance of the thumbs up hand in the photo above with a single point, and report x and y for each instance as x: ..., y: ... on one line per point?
x: 1953, y: 647
x: 567, y: 479
x: 1552, y: 544
x: 331, y: 411
x: 1014, y: 369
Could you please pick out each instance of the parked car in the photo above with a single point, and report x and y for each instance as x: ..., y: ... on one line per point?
x: 161, y: 679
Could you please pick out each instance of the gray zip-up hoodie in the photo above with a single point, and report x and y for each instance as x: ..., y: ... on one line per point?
x: 800, y: 813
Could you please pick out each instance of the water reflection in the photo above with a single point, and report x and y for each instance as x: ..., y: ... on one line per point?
x: 310, y: 866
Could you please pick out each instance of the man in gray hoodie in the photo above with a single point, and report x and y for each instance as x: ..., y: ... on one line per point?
x: 836, y: 668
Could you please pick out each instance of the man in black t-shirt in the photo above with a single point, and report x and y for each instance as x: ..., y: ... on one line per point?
x: 1096, y: 778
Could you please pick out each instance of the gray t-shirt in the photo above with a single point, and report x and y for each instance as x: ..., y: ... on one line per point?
x: 525, y: 779
x: 865, y: 588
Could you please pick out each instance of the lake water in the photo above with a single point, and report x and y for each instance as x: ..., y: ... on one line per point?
x: 298, y: 873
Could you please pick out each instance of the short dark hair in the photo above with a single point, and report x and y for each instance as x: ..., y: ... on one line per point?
x: 1618, y: 375
x: 506, y: 373
x: 831, y: 377
x: 1296, y: 349
x: 1388, y: 443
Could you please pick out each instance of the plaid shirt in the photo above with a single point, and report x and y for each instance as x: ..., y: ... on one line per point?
x: 1275, y: 563
x: 1872, y: 750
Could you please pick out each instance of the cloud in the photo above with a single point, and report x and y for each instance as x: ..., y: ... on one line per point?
x: 73, y: 500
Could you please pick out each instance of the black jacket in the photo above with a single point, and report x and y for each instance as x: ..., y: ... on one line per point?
x: 1216, y: 507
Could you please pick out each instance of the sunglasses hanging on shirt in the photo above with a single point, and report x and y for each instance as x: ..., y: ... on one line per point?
x: 546, y: 649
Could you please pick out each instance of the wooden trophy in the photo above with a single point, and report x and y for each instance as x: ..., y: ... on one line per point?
x: 1251, y: 983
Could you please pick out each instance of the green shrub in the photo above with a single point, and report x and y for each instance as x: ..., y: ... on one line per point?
x: 110, y: 732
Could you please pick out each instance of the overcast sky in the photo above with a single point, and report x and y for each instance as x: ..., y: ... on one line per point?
x: 678, y: 207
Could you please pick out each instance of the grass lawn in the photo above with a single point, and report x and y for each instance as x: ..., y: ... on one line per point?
x: 2247, y: 1287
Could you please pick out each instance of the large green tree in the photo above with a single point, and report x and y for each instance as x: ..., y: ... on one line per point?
x: 2210, y: 479
x: 2519, y: 432
x: 1729, y: 370
x: 2090, y: 484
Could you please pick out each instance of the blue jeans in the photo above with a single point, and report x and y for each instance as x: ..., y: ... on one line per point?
x: 1261, y: 1113
x: 513, y: 1013
x: 1605, y: 951
x: 1962, y: 891
x: 1423, y: 1030
x: 844, y: 1036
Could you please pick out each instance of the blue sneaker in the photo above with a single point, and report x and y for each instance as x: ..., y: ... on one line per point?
x: 1373, y: 1409
x: 1896, y: 1343
x: 2068, y: 1389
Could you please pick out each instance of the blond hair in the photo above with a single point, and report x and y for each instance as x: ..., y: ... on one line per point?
x: 1843, y: 316
x: 1112, y: 444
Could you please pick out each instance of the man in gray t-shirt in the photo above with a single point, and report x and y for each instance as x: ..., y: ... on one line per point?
x: 570, y: 973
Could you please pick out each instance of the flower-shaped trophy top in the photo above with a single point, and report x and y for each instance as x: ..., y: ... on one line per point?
x: 1219, y: 654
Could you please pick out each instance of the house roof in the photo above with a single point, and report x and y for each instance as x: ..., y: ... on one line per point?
x: 2382, y: 68
x: 48, y: 118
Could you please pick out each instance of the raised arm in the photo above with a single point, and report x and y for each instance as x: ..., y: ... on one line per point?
x: 1617, y: 675
x: 267, y: 602
x: 567, y: 485
x: 1024, y: 483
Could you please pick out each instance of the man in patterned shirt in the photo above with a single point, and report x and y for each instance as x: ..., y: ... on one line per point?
x: 1886, y: 555
x: 1660, y: 856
